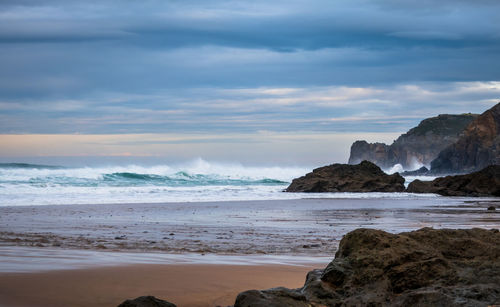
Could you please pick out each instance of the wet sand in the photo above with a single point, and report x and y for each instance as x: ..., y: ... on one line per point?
x: 184, y: 285
x: 286, y: 227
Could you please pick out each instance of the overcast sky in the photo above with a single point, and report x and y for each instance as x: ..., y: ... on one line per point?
x: 201, y: 70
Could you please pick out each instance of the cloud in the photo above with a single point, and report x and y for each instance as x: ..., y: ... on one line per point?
x: 282, y: 26
x: 217, y: 66
x: 427, y: 35
x: 69, y: 71
x: 247, y: 110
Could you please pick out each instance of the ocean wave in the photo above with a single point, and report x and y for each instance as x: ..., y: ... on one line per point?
x: 185, y: 179
x: 194, y: 173
x: 197, y: 180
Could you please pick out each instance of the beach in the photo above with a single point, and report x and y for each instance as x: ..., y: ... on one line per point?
x: 287, y: 227
x: 197, y: 253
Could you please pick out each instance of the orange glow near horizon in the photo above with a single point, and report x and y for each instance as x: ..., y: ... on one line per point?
x: 262, y: 146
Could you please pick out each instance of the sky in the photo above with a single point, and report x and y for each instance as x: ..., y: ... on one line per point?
x: 249, y: 81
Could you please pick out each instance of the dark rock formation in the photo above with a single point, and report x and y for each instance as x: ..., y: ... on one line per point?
x: 146, y: 301
x: 364, y: 177
x: 378, y: 153
x: 478, y: 147
x: 486, y: 182
x: 420, y: 145
x: 426, y: 267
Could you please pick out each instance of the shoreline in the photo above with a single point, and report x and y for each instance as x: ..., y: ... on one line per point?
x: 290, y: 196
x: 274, y: 227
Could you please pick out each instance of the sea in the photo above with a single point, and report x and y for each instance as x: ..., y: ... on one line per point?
x: 193, y: 181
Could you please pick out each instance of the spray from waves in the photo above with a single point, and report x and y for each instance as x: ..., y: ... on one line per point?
x: 414, y: 164
x: 396, y: 168
x: 27, y: 166
x: 408, y: 179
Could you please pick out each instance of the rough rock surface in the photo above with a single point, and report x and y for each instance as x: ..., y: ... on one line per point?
x: 426, y: 267
x: 478, y: 147
x: 486, y: 182
x: 419, y: 145
x: 364, y: 177
x: 378, y: 153
x: 146, y: 301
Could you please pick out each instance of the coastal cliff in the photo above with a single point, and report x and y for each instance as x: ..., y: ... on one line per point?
x: 476, y: 148
x: 419, y: 146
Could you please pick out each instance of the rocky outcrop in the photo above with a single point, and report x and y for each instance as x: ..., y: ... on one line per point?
x: 364, y: 177
x: 419, y: 146
x: 146, y: 301
x: 483, y: 183
x: 478, y: 147
x: 378, y: 153
x: 426, y: 267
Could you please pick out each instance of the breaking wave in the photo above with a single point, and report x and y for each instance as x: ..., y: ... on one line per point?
x: 196, y: 173
x: 199, y: 180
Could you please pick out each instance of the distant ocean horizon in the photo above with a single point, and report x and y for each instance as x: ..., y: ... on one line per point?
x: 197, y: 180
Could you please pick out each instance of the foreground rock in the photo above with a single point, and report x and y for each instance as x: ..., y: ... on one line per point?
x: 483, y: 183
x: 426, y: 267
x: 477, y: 147
x: 364, y: 177
x: 146, y: 301
x: 420, y: 145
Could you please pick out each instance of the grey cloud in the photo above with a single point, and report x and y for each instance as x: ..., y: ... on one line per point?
x: 341, y: 109
x: 114, y: 66
x: 311, y: 25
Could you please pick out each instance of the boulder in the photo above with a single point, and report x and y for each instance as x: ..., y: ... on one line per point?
x: 485, y: 182
x: 426, y: 267
x: 146, y: 301
x: 477, y: 147
x: 419, y: 146
x: 364, y: 177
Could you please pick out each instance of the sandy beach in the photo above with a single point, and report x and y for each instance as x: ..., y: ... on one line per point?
x: 196, y: 254
x: 184, y: 285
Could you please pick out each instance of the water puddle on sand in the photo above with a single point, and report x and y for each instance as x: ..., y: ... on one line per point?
x: 19, y: 259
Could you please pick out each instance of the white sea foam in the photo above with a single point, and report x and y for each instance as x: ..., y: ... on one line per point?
x: 396, y: 168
